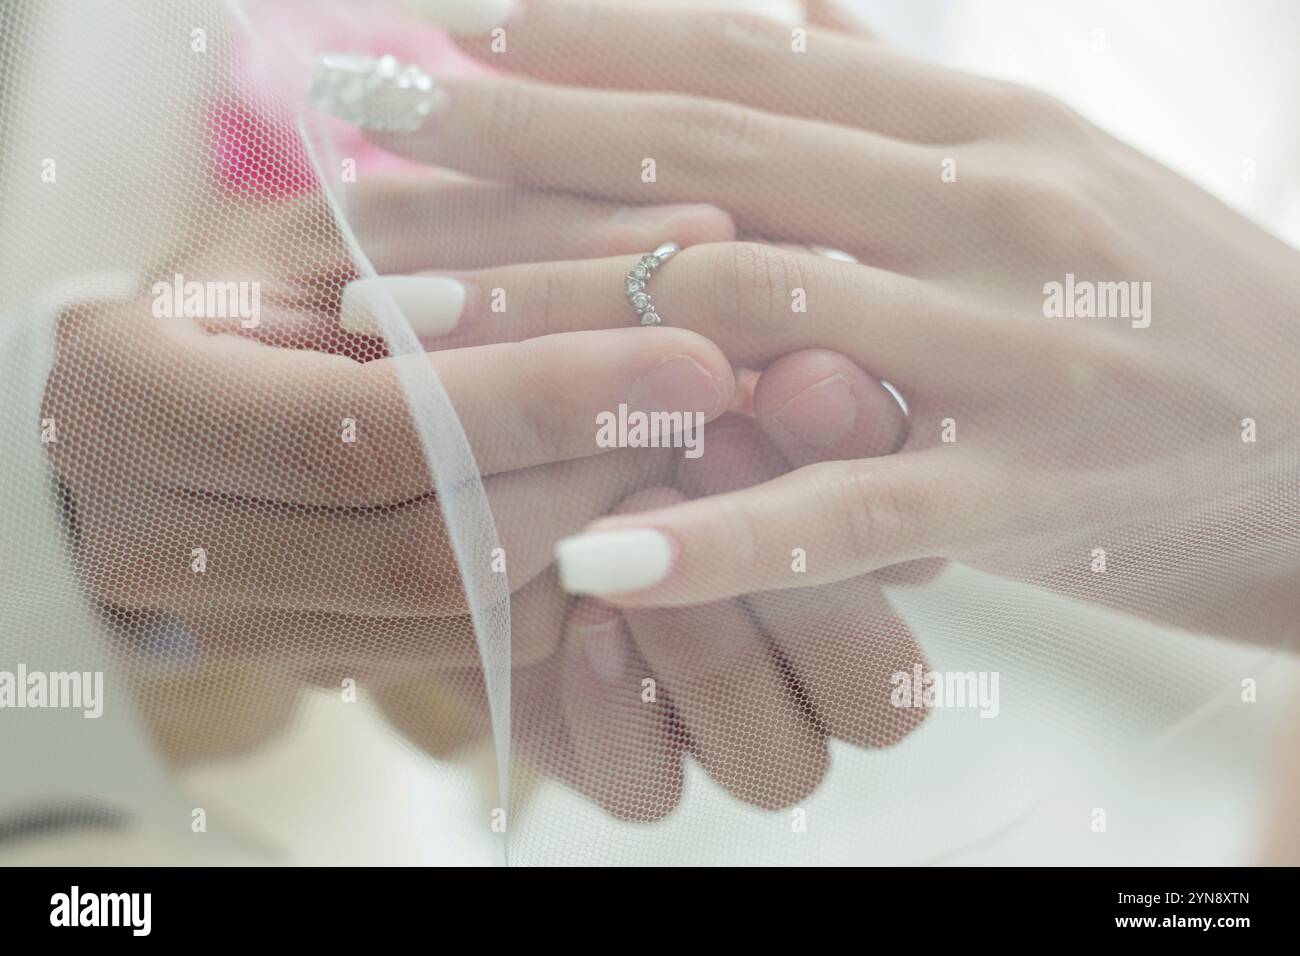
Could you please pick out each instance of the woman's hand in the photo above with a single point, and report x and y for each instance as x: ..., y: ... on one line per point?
x: 321, y: 559
x: 1087, y: 342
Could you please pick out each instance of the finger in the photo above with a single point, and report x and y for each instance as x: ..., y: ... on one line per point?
x: 843, y: 641
x: 794, y: 387
x: 740, y: 709
x: 207, y: 551
x: 574, y: 493
x: 538, y: 401
x: 817, y: 405
x: 437, y: 707
x: 814, y: 405
x: 442, y: 708
x: 595, y: 743
x: 328, y: 647
x: 210, y: 712
x: 407, y: 224
x: 752, y: 163
x: 659, y: 147
x: 430, y: 712
x: 756, y: 61
x: 758, y: 303
x: 627, y: 752
x: 823, y: 523
x: 833, y: 15
x: 465, y: 17
x: 911, y: 573
x: 743, y: 401
x: 227, y: 415
x: 737, y: 455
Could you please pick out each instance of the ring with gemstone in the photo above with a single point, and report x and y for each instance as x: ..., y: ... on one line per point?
x: 634, y: 286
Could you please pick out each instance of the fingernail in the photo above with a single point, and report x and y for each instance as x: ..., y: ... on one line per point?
x: 601, y: 633
x: 657, y: 217
x: 680, y: 384
x: 433, y: 305
x: 465, y: 17
x: 377, y: 93
x: 839, y: 255
x: 611, y: 562
x: 821, y: 414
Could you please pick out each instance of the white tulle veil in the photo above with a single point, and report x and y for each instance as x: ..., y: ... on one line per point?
x: 144, y: 141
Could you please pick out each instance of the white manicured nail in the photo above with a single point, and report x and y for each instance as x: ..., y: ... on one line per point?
x: 432, y: 304
x: 464, y: 17
x: 611, y: 562
x: 378, y: 93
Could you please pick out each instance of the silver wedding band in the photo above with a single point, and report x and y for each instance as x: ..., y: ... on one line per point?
x: 634, y: 286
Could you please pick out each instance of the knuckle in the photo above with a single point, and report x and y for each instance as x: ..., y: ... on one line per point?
x: 721, y: 124
x: 542, y: 430
x: 1052, y: 113
x: 1031, y: 110
x: 1057, y: 202
x: 744, y: 545
x: 414, y: 571
x: 714, y: 137
x: 754, y: 283
x: 541, y: 294
x: 511, y: 110
x: 1054, y: 218
x: 536, y: 429
x: 363, y: 474
x: 1103, y: 372
x: 878, y: 513
x: 741, y: 41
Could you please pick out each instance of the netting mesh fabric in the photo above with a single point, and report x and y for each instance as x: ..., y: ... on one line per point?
x: 229, y: 515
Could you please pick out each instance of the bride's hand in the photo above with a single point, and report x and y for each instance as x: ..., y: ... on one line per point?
x: 1100, y: 456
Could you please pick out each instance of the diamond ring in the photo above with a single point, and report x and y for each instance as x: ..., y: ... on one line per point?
x: 634, y: 286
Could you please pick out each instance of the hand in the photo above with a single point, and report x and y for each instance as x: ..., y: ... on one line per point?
x: 215, y: 494
x: 752, y: 688
x: 1113, y: 438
